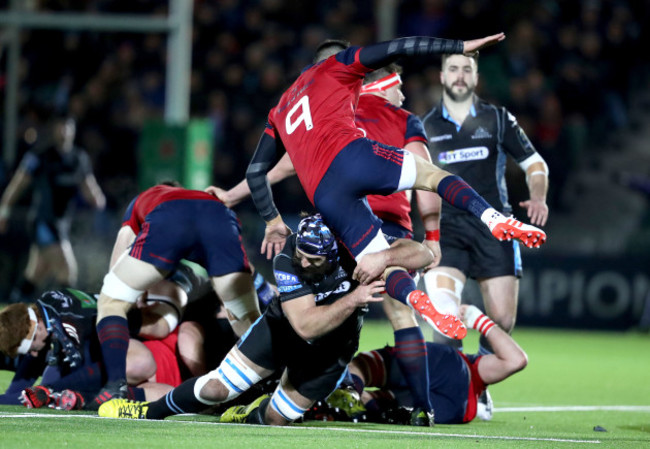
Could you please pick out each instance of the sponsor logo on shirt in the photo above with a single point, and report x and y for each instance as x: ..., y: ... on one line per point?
x: 288, y: 288
x: 440, y: 137
x: 342, y: 288
x: 285, y: 279
x: 463, y: 155
x: 481, y: 133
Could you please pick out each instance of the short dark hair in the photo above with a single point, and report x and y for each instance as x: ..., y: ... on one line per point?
x: 474, y: 56
x: 330, y: 47
x: 382, y: 72
x: 170, y: 183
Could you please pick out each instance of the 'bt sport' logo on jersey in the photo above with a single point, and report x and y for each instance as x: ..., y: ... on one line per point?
x: 463, y: 155
x: 287, y: 282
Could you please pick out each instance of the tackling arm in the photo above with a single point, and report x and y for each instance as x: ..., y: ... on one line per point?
x: 403, y: 253
x: 311, y: 321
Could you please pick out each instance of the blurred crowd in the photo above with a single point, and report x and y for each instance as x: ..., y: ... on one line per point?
x: 567, y: 70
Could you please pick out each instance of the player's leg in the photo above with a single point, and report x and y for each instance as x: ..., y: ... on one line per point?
x: 236, y: 374
x: 63, y: 263
x: 444, y: 285
x: 239, y: 297
x: 227, y: 264
x: 500, y: 297
x: 123, y: 286
x: 140, y: 363
x: 421, y: 174
x: 241, y: 368
x: 379, y: 370
x: 410, y: 351
x: 283, y: 407
x: 35, y: 273
x: 37, y: 269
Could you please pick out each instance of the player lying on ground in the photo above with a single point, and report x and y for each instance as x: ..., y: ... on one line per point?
x: 306, y: 333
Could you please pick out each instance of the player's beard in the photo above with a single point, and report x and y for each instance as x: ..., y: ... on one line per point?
x: 312, y: 275
x: 458, y: 97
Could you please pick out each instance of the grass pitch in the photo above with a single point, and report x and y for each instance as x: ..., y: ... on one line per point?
x: 576, y: 381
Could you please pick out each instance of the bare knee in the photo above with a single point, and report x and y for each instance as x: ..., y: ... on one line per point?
x: 140, y: 363
x: 107, y: 306
x: 214, y: 391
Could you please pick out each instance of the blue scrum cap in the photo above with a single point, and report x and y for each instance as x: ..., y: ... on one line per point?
x: 316, y: 239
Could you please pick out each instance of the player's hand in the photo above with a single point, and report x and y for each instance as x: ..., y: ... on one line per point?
x: 221, y: 194
x: 434, y: 247
x: 474, y: 45
x: 370, y: 267
x: 365, y: 294
x: 537, y: 211
x: 275, y: 236
x: 142, y: 301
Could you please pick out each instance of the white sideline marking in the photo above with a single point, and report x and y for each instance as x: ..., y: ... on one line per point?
x: 324, y: 429
x: 576, y: 408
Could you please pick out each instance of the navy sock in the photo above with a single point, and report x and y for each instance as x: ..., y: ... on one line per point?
x: 411, y: 357
x: 180, y: 400
x: 113, y: 333
x: 358, y: 383
x: 399, y: 284
x: 136, y: 394
x: 459, y: 194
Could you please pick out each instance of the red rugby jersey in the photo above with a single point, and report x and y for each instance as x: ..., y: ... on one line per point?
x: 314, y: 118
x: 154, y: 196
x: 394, y: 126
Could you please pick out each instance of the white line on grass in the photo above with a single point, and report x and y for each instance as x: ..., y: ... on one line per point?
x: 324, y: 429
x: 576, y: 408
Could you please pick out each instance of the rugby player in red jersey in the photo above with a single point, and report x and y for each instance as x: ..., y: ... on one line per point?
x: 161, y: 226
x: 314, y: 121
x: 380, y: 115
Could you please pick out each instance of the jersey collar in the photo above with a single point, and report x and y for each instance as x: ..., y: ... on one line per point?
x: 446, y: 116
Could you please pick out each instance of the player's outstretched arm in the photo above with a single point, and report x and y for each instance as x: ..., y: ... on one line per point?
x: 508, y: 357
x: 276, y: 231
x: 472, y: 46
x: 379, y: 55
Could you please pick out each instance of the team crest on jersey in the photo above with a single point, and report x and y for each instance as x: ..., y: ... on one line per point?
x: 287, y: 282
x: 463, y: 155
x: 481, y: 133
x: 440, y: 138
